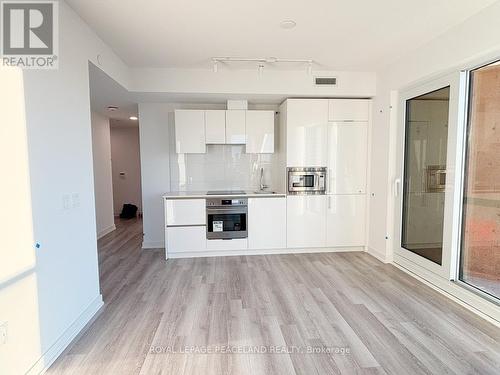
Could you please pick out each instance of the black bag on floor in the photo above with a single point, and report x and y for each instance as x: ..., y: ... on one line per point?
x: 129, y: 211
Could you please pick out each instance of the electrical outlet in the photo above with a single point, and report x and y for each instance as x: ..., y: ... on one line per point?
x: 3, y: 333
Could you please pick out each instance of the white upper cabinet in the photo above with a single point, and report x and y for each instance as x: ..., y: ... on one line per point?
x: 346, y: 220
x: 236, y: 127
x: 190, y: 132
x: 347, y: 157
x: 307, y: 121
x: 260, y: 132
x: 348, y: 110
x: 215, y: 126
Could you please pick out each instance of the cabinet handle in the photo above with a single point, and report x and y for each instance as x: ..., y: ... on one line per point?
x: 329, y: 202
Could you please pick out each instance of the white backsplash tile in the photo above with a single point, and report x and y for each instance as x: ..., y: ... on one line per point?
x: 222, y: 167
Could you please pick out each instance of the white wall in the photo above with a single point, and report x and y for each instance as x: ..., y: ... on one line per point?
x: 60, y: 163
x: 18, y: 279
x: 103, y: 184
x: 125, y: 155
x: 476, y: 39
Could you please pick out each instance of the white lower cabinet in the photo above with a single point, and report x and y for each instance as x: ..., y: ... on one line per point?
x: 185, y: 212
x: 306, y: 224
x: 267, y: 223
x: 186, y: 239
x: 345, y: 220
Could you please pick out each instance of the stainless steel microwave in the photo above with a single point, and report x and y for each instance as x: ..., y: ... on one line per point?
x: 307, y: 180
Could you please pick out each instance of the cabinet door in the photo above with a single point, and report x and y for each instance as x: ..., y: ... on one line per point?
x: 348, y: 110
x: 235, y: 127
x: 266, y: 223
x: 185, y: 212
x: 190, y: 132
x: 260, y: 132
x: 306, y: 130
x: 306, y: 221
x: 186, y: 239
x: 347, y: 157
x: 346, y: 220
x: 215, y: 127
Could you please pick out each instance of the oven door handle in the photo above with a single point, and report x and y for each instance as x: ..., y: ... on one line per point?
x: 226, y: 211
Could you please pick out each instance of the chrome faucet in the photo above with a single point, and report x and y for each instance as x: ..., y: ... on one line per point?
x: 262, y: 185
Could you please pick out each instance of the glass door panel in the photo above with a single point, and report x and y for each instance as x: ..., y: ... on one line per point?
x: 425, y: 153
x: 480, y: 245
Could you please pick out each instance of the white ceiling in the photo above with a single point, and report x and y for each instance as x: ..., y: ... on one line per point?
x: 104, y: 92
x: 337, y: 34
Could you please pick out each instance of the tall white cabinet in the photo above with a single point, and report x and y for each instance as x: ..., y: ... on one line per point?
x: 347, y: 172
x: 331, y: 133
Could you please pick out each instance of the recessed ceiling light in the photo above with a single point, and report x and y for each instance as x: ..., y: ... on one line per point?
x: 133, y: 118
x: 288, y: 24
x: 112, y: 108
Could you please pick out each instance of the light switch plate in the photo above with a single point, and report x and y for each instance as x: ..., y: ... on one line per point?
x: 66, y: 201
x: 75, y: 198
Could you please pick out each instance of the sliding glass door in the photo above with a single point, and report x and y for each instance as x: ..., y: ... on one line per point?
x: 426, y: 170
x: 426, y: 129
x: 480, y: 245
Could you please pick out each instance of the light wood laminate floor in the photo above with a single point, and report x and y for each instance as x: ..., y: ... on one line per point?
x: 359, y: 315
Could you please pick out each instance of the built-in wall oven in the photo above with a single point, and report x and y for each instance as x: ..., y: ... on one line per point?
x: 227, y: 218
x: 307, y: 180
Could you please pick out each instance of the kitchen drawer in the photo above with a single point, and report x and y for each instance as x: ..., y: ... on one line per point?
x: 186, y: 239
x: 185, y: 212
x: 234, y: 244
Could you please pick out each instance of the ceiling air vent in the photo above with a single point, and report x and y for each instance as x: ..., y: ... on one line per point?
x: 325, y: 81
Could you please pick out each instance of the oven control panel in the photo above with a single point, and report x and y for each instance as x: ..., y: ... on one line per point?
x: 226, y: 202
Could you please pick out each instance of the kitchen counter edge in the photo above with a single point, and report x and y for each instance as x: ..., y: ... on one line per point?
x: 204, y: 195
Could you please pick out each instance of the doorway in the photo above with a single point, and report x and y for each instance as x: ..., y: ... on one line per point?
x: 117, y: 179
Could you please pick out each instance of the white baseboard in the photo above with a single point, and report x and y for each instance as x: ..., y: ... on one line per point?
x: 218, y: 253
x: 108, y: 230
x: 153, y: 245
x: 377, y: 254
x: 73, y: 331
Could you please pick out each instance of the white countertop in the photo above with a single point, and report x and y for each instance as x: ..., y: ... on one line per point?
x: 203, y: 194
